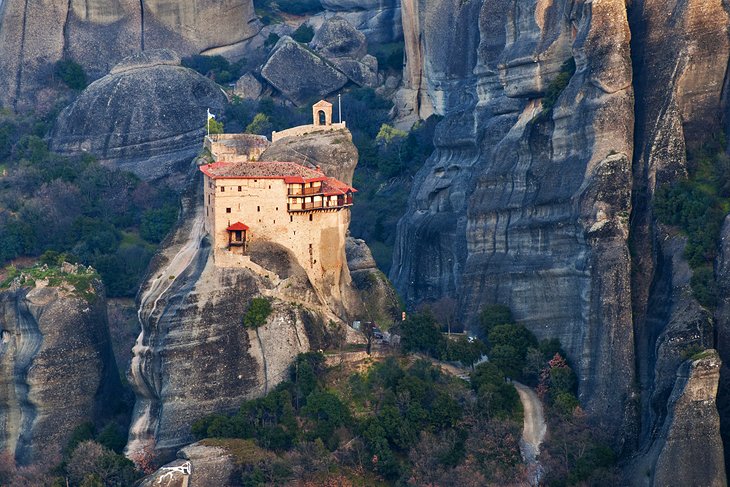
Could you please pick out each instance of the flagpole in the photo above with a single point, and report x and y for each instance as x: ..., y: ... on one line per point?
x: 207, y: 123
x: 339, y: 106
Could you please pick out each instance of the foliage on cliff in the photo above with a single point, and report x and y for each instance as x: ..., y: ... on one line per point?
x: 698, y: 206
x: 105, y: 218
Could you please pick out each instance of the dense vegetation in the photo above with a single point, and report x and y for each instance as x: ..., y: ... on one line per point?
x: 217, y: 68
x: 71, y: 73
x: 698, y: 205
x: 105, y: 218
x: 395, y: 423
x: 258, y: 311
x: 401, y: 421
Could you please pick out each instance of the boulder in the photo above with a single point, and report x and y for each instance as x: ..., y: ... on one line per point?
x: 147, y: 116
x: 248, y: 87
x: 333, y: 151
x: 363, y: 72
x: 379, y: 20
x: 299, y: 73
x: 337, y: 38
x: 379, y: 298
x: 202, y: 464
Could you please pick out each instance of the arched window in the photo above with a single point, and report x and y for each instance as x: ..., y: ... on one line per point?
x: 322, y: 117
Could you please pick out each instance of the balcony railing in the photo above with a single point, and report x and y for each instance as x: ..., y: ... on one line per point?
x: 341, y: 203
x: 304, y: 191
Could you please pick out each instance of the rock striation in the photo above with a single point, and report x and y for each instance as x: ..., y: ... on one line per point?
x: 99, y: 33
x: 508, y: 209
x: 688, y: 449
x: 121, y: 120
x: 57, y: 367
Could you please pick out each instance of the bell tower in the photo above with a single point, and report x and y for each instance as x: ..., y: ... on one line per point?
x: 322, y: 114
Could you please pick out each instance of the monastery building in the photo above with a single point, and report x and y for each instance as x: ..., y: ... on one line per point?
x: 297, y: 207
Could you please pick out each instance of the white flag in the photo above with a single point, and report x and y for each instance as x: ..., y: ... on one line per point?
x: 210, y: 115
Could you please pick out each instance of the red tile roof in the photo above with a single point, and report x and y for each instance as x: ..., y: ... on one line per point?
x: 290, y: 172
x: 237, y: 227
x: 332, y: 187
x: 261, y: 170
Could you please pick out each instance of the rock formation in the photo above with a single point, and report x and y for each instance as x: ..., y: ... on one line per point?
x: 345, y: 47
x: 380, y: 301
x: 688, y: 449
x: 333, y: 151
x: 147, y: 116
x: 379, y: 20
x: 193, y: 356
x: 508, y: 209
x: 314, y: 77
x: 99, y: 33
x: 57, y: 368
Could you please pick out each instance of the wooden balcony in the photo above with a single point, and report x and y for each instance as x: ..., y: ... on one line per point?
x: 304, y: 191
x: 319, y: 205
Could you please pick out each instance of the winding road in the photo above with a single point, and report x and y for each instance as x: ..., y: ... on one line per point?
x: 533, y: 430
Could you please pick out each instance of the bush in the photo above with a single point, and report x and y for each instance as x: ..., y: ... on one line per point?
x: 217, y: 68
x: 421, y: 333
x: 304, y: 34
x: 258, y: 312
x: 156, y: 223
x: 557, y: 85
x: 493, y: 315
x: 71, y: 73
x: 300, y: 7
x: 260, y: 125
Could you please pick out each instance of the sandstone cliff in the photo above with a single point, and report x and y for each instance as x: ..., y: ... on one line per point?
x: 688, y: 449
x: 99, y: 33
x: 193, y: 356
x: 57, y: 368
x: 146, y: 116
x: 509, y: 208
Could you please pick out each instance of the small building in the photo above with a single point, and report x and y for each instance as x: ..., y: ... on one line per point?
x: 321, y: 122
x: 236, y: 147
x: 297, y: 207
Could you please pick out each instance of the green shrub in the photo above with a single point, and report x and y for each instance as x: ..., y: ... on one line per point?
x: 271, y: 40
x: 493, y: 315
x: 420, y: 333
x: 258, y: 312
x: 557, y: 85
x: 704, y: 287
x: 300, y: 7
x: 304, y: 34
x: 156, y: 223
x: 71, y: 73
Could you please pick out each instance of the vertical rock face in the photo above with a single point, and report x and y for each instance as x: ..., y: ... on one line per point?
x: 57, y: 368
x: 193, y: 356
x: 688, y: 449
x: 99, y: 33
x: 511, y: 208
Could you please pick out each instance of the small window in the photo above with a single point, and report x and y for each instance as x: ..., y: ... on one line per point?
x: 228, y: 210
x: 277, y: 208
x: 269, y: 186
x: 258, y: 208
x: 255, y: 180
x: 239, y: 188
x: 223, y: 189
x: 291, y: 218
x: 208, y: 199
x: 310, y: 217
x: 274, y: 222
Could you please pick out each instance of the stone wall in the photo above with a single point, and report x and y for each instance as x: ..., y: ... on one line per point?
x: 305, y: 130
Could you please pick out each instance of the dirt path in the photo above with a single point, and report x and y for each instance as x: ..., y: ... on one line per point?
x: 533, y: 429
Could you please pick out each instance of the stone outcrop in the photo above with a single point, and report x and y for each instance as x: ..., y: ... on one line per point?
x: 147, y: 116
x: 193, y: 356
x: 248, y: 87
x: 207, y: 465
x: 508, y: 209
x: 346, y: 47
x: 300, y: 74
x: 99, y: 33
x: 379, y: 20
x: 688, y: 449
x: 57, y: 368
x: 333, y: 151
x: 380, y: 300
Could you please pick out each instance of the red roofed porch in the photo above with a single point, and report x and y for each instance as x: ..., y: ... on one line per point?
x: 237, y: 235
